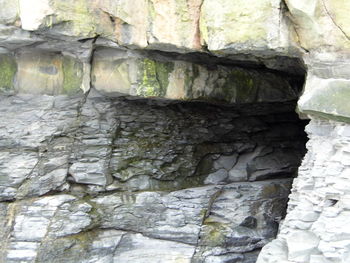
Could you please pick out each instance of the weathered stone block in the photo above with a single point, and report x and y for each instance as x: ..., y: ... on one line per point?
x: 48, y: 73
x: 238, y: 26
x: 326, y: 98
x: 132, y: 74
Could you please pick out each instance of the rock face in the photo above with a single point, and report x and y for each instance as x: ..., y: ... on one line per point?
x: 316, y: 225
x: 164, y: 131
x: 86, y: 177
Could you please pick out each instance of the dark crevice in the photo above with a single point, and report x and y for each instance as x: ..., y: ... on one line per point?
x: 294, y: 67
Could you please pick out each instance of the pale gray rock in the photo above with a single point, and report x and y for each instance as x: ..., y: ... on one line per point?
x: 175, y: 216
x: 137, y: 248
x: 15, y: 168
x: 275, y: 252
x: 301, y: 244
x: 88, y: 173
x: 316, y: 227
x: 9, y: 11
x: 217, y: 177
x: 70, y: 219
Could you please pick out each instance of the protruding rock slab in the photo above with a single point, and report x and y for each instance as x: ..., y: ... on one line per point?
x: 326, y: 98
x: 130, y: 73
x: 168, y: 25
x: 327, y: 88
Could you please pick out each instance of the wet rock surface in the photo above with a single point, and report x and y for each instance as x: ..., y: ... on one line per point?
x: 89, y: 178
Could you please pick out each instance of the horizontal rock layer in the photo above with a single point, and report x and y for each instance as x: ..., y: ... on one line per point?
x: 86, y: 177
x: 272, y: 33
x: 121, y: 72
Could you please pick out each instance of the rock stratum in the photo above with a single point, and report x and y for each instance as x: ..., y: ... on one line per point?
x: 166, y: 131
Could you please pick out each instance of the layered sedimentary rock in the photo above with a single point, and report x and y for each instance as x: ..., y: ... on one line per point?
x: 163, y: 131
x: 86, y: 178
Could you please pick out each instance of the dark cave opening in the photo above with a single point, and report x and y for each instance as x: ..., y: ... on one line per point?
x: 188, y: 144
x: 210, y: 179
x: 232, y: 163
x: 246, y: 154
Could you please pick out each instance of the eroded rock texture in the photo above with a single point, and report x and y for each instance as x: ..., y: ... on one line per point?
x: 91, y: 178
x: 88, y: 178
x: 316, y: 226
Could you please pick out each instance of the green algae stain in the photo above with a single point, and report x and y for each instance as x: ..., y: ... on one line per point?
x: 154, y: 78
x: 239, y: 87
x: 72, y: 75
x: 8, y: 69
x: 163, y: 69
x: 214, y: 233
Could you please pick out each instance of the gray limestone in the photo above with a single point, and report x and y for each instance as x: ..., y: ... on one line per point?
x: 88, y: 178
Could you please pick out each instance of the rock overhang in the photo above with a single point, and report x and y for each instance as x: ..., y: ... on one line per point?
x: 149, y: 74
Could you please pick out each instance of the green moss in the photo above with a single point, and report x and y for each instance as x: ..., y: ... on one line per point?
x: 84, y: 239
x: 154, y: 78
x: 269, y: 191
x: 74, y: 247
x: 214, y: 234
x: 72, y: 75
x: 8, y: 69
x: 163, y: 69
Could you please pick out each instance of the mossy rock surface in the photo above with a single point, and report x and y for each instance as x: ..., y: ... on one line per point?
x: 8, y: 69
x: 154, y: 77
x: 72, y: 75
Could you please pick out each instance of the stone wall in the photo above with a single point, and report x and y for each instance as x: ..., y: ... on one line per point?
x: 74, y: 149
x: 90, y: 178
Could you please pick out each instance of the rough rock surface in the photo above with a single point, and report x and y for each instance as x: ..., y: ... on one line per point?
x: 72, y: 165
x: 316, y: 226
x: 89, y: 178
